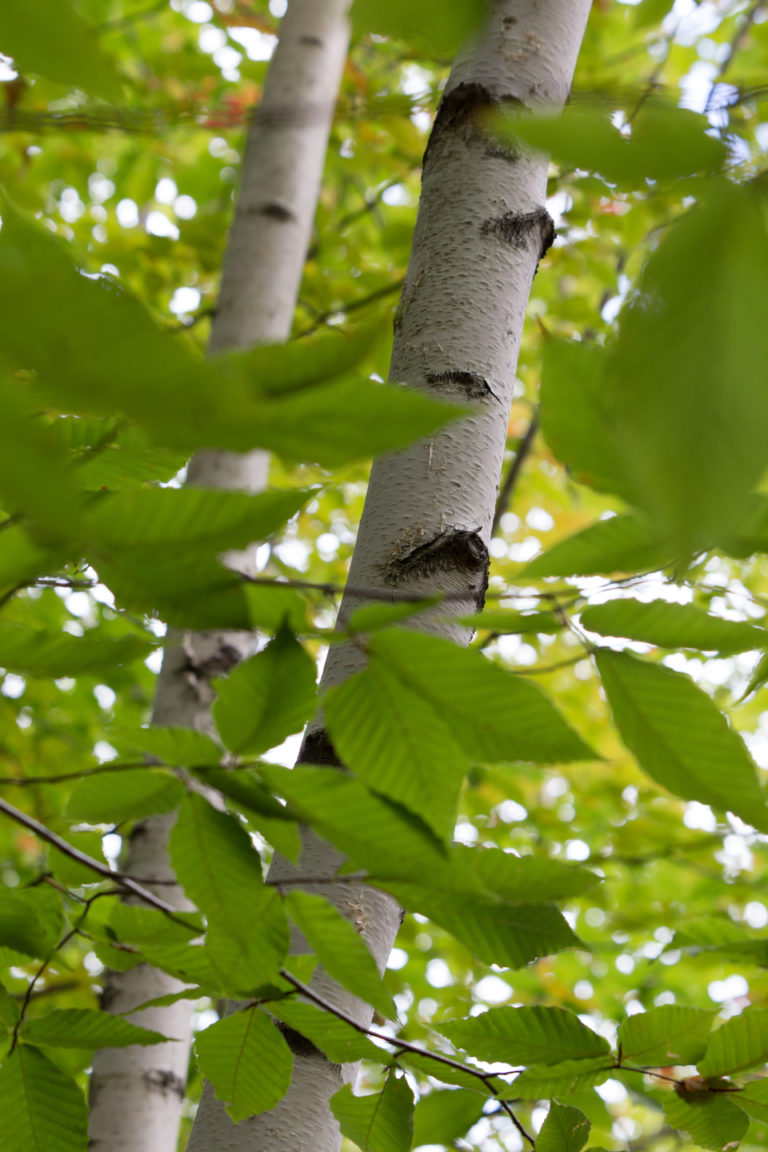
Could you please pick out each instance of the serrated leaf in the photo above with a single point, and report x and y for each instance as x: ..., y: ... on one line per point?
x: 247, y: 1061
x: 753, y: 1098
x: 441, y: 1117
x: 679, y: 736
x: 534, y: 878
x: 672, y: 1034
x: 507, y: 622
x: 739, y: 1043
x: 541, y: 1081
x: 371, y: 617
x: 69, y: 52
x: 248, y: 957
x: 381, y: 1122
x: 529, y: 1035
x: 340, y: 1042
x: 86, y: 1028
x: 419, y: 23
x: 565, y: 1129
x: 214, y: 860
x: 712, y: 1120
x: 43, y: 1109
x: 496, y: 931
x: 627, y: 543
x: 672, y: 626
x: 31, y: 920
x: 267, y: 698
x: 128, y: 794
x: 339, y: 947
x: 135, y: 924
x: 392, y: 737
x: 494, y: 714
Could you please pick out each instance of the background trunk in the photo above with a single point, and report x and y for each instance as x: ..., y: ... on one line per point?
x: 137, y: 1093
x: 481, y: 230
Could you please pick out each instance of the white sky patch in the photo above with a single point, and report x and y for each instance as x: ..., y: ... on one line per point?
x: 184, y: 300
x: 111, y: 845
x: 511, y: 812
x: 198, y: 11
x: 257, y: 45
x: 732, y: 988
x: 166, y: 190
x: 105, y: 697
x: 158, y: 224
x: 7, y: 71
x: 185, y: 207
x: 699, y: 816
x: 492, y: 990
x: 612, y: 1091
x: 104, y: 751
x: 13, y: 686
x: 127, y: 212
x: 756, y: 914
x: 286, y: 752
x: 398, y: 958
x: 439, y: 974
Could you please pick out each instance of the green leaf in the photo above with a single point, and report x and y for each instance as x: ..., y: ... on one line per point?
x: 215, y: 862
x: 86, y: 1028
x: 128, y: 794
x: 31, y: 920
x: 496, y: 931
x: 247, y: 1061
x: 529, y: 1035
x: 135, y: 924
x: 753, y: 1098
x: 339, y: 947
x: 34, y: 652
x: 492, y: 713
x: 10, y: 1011
x: 340, y: 1042
x: 672, y: 626
x: 388, y: 734
x: 565, y: 1129
x: 740, y: 1043
x: 371, y: 617
x: 627, y: 543
x: 245, y: 958
x: 679, y: 736
x: 574, y: 421
x: 43, y: 1110
x: 266, y: 698
x: 441, y: 1117
x: 67, y: 51
x: 672, y: 1034
x: 541, y: 1081
x: 437, y: 33
x: 381, y: 1122
x: 306, y: 361
x: 694, y: 470
x: 205, y: 519
x: 177, y: 747
x: 534, y: 878
x: 711, y: 1119
x: 506, y: 622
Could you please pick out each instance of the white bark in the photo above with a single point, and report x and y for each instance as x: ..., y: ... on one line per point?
x: 137, y: 1093
x: 481, y: 230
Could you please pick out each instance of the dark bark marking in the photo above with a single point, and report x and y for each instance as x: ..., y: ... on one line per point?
x: 316, y: 748
x: 311, y: 41
x: 457, y: 550
x: 217, y: 664
x: 465, y: 109
x: 166, y: 1081
x: 516, y: 229
x: 274, y: 211
x: 299, y: 1044
x: 474, y: 386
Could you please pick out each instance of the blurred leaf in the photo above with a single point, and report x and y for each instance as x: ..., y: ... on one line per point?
x: 679, y: 736
x: 533, y: 878
x: 672, y: 626
x: 128, y: 794
x: 625, y: 543
x: 247, y: 1061
x: 31, y: 920
x: 441, y: 1117
x: 49, y: 38
x: 542, y: 1081
x: 33, y: 652
x: 381, y: 1122
x: 177, y: 747
x: 436, y: 32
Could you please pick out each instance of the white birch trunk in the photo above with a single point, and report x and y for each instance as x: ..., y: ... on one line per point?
x: 137, y: 1093
x: 482, y: 228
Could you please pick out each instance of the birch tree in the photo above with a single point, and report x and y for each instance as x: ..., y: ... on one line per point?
x: 136, y: 1093
x: 561, y: 804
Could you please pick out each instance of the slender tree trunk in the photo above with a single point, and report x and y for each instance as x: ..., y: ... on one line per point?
x: 137, y: 1093
x: 482, y: 228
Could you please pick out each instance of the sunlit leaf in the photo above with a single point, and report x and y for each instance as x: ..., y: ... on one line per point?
x: 672, y: 626
x: 711, y: 1119
x: 43, y: 1109
x: 528, y: 1035
x: 441, y: 1117
x: 739, y: 1043
x: 671, y: 1034
x: 565, y: 1129
x: 86, y: 1028
x: 381, y: 1122
x: 246, y: 1060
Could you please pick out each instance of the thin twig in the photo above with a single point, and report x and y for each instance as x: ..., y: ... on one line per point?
x: 62, y: 777
x: 508, y: 487
x: 353, y: 306
x: 742, y: 32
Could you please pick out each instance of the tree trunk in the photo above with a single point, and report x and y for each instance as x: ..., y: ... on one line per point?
x: 481, y: 230
x: 136, y: 1094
